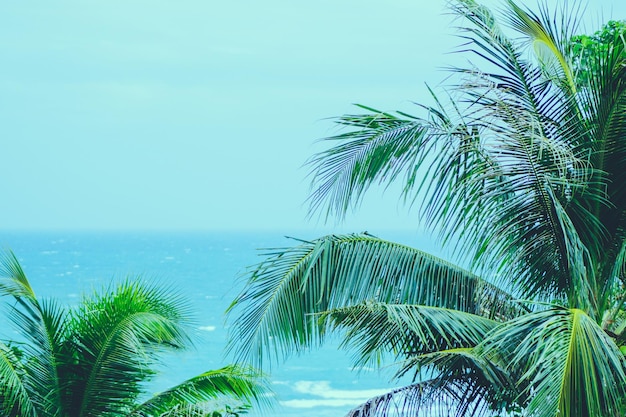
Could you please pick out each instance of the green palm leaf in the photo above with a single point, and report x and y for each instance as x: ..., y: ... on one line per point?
x: 42, y: 324
x: 379, y: 148
x: 547, y: 40
x: 116, y: 337
x: 374, y: 329
x: 95, y: 359
x: 15, y: 399
x: 460, y: 397
x: 13, y: 280
x: 567, y: 365
x: 285, y: 290
x: 204, y: 392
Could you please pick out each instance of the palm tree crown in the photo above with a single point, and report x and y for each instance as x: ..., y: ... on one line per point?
x: 523, y: 167
x: 95, y: 359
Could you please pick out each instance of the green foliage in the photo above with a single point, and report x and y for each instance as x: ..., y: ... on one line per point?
x: 521, y: 165
x: 587, y: 49
x: 94, y: 360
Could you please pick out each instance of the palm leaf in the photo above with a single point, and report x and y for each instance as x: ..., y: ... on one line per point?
x: 13, y: 280
x: 337, y: 271
x: 547, y: 40
x: 377, y: 150
x: 567, y: 365
x: 116, y: 338
x: 374, y: 329
x: 42, y: 324
x: 460, y: 397
x: 210, y: 391
x: 15, y: 398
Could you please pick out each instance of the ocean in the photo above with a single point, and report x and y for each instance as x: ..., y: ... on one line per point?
x: 208, y: 267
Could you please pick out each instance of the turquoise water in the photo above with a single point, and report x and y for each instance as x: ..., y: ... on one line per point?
x: 208, y: 268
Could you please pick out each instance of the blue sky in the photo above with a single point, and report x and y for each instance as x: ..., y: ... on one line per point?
x: 199, y: 114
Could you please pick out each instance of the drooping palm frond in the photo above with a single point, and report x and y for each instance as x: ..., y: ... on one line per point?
x: 549, y: 34
x: 15, y: 399
x: 567, y: 365
x: 459, y: 397
x: 375, y: 329
x: 379, y: 147
x: 42, y: 324
x: 292, y: 284
x: 13, y: 280
x: 115, y: 339
x: 235, y: 386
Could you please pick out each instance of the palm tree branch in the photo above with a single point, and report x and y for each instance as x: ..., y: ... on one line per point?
x: 41, y: 323
x: 375, y: 328
x: 231, y: 382
x: 458, y: 397
x: 561, y: 354
x: 292, y: 284
x: 117, y: 337
x: 15, y: 398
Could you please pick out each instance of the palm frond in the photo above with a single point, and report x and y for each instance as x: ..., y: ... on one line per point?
x: 549, y: 36
x: 42, y: 324
x: 460, y: 397
x: 234, y: 386
x: 567, y: 365
x: 377, y: 149
x: 116, y: 339
x: 283, y: 292
x: 374, y: 329
x: 15, y: 399
x: 13, y: 280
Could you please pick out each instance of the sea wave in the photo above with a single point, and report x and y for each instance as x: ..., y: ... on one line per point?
x: 327, y: 396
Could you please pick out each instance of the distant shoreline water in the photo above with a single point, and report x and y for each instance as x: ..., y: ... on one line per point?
x: 209, y: 268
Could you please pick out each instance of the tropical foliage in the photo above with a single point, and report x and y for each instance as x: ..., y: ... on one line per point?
x: 95, y: 359
x: 520, y: 167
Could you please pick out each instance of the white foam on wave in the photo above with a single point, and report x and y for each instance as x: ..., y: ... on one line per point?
x: 327, y: 396
x: 207, y: 328
x: 318, y: 403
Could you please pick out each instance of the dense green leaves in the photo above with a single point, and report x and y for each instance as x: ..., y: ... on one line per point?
x: 567, y: 365
x: 94, y: 360
x: 522, y: 169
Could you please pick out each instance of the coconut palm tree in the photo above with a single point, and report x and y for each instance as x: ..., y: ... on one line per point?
x: 94, y: 360
x: 522, y: 170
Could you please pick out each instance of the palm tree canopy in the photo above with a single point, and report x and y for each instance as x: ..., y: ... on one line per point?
x: 94, y: 360
x: 521, y: 167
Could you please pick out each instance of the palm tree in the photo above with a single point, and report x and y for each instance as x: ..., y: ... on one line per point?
x: 521, y: 169
x: 94, y: 360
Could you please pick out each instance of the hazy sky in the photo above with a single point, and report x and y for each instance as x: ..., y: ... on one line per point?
x: 199, y: 114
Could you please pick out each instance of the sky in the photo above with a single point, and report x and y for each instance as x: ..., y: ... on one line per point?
x: 198, y: 115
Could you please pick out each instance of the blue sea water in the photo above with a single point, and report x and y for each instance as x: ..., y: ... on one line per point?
x: 208, y: 267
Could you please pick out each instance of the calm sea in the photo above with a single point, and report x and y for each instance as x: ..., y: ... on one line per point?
x: 208, y: 267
